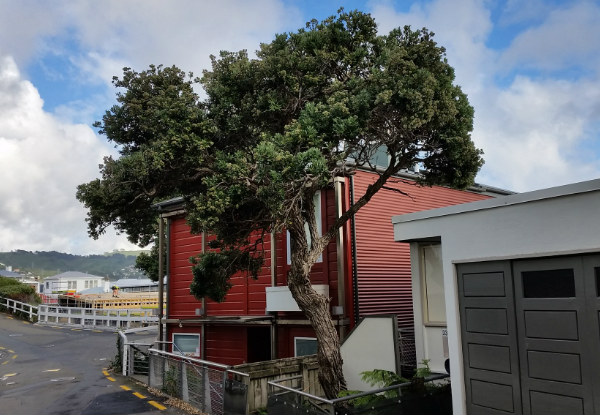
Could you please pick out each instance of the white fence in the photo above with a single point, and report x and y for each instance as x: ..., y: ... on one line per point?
x: 96, y: 317
x: 17, y: 307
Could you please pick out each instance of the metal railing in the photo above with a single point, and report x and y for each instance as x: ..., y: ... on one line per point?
x: 211, y: 387
x: 286, y: 397
x: 18, y: 307
x: 134, y: 354
x: 94, y: 317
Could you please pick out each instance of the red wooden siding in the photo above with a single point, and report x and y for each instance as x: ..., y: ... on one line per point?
x: 383, y: 266
x: 246, y: 297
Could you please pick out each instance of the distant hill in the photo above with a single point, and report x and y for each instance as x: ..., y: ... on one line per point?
x: 114, y: 265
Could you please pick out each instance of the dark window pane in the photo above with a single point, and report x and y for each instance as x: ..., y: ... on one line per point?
x: 556, y: 283
x: 597, y: 270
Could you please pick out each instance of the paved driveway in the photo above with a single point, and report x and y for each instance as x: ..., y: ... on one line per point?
x: 46, y: 370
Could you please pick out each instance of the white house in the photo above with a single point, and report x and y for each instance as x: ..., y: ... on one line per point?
x: 73, y: 281
x: 509, y: 290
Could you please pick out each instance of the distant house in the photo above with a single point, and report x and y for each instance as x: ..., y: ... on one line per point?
x: 136, y: 285
x: 25, y: 279
x: 9, y: 274
x: 72, y: 282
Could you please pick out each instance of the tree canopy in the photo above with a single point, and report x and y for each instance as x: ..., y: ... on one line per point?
x: 272, y: 131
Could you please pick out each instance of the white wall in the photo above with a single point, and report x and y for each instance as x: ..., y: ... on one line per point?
x: 555, y: 221
x: 371, y: 345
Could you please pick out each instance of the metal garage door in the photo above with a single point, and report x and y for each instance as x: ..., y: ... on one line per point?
x: 531, y: 335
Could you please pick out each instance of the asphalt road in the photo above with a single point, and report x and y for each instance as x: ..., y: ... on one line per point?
x: 48, y: 370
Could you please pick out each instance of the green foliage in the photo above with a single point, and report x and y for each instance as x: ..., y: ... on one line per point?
x: 380, y: 378
x: 148, y: 263
x: 273, y: 131
x: 423, y: 370
x: 114, y: 265
x: 117, y: 363
x: 212, y: 270
x: 276, y: 129
x: 16, y: 290
x: 170, y: 383
x: 158, y: 128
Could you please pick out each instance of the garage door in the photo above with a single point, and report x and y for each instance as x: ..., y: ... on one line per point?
x: 531, y: 335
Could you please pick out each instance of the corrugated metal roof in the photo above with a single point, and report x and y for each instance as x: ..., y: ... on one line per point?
x: 73, y: 275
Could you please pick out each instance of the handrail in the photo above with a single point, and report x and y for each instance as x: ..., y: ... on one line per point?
x: 275, y: 383
x: 198, y: 361
x: 19, y: 306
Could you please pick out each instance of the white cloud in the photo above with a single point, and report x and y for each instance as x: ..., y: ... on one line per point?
x: 567, y: 38
x: 42, y: 161
x: 136, y: 33
x: 45, y: 156
x: 533, y: 131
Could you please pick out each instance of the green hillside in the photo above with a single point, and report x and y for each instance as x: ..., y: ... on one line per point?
x: 114, y: 265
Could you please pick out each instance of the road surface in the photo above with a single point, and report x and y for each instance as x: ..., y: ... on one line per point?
x: 49, y: 370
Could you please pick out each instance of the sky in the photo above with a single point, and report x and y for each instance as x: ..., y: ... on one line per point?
x: 531, y: 70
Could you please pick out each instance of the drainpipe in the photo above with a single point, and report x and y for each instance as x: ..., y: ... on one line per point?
x: 273, y: 284
x: 203, y: 302
x: 339, y: 202
x: 354, y: 262
x: 161, y: 242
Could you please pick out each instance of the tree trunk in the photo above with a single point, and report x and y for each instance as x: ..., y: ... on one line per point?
x: 316, y: 309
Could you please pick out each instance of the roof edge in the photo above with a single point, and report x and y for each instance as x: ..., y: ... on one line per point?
x: 508, y: 200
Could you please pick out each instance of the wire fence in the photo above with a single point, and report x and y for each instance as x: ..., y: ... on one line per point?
x: 211, y: 387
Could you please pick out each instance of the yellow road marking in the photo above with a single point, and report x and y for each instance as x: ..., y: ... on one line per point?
x: 105, y: 373
x: 125, y: 388
x: 97, y: 331
x: 157, y: 405
x: 139, y: 395
x: 14, y: 356
x: 8, y: 375
x: 25, y: 322
x: 10, y: 318
x: 111, y: 379
x: 75, y: 329
x: 10, y: 351
x: 2, y: 348
x: 5, y: 362
x: 51, y: 370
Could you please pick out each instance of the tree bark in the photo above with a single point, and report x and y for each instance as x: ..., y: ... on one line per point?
x: 316, y: 309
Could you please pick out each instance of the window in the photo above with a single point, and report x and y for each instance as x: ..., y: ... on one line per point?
x: 71, y: 285
x: 555, y: 283
x: 304, y: 346
x: 433, y: 285
x: 186, y: 344
x: 318, y: 216
x: 87, y: 284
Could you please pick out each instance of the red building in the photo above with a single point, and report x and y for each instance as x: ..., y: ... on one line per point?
x: 364, y: 272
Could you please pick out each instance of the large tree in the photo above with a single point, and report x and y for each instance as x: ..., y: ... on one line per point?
x: 272, y: 131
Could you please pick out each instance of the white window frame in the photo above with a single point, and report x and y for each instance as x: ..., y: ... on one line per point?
x: 296, y: 344
x: 319, y: 219
x: 432, y: 284
x: 186, y: 353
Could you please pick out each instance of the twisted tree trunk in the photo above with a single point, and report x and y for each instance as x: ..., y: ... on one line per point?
x: 316, y: 309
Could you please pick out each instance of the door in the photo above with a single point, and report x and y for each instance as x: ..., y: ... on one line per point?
x: 555, y: 336
x: 489, y: 338
x: 531, y: 335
